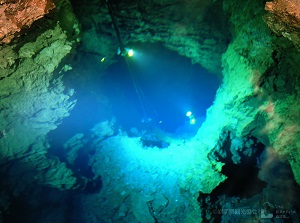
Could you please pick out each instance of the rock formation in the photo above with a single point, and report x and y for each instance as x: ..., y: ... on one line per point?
x: 17, y: 15
x: 253, y: 47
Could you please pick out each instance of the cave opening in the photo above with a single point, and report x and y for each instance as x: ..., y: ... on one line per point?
x: 130, y: 170
x: 242, y: 183
x: 241, y: 167
x: 257, y: 183
x: 152, y: 90
x: 156, y: 87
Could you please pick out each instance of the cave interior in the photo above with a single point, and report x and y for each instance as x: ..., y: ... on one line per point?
x: 158, y: 111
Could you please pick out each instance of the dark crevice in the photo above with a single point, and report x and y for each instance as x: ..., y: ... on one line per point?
x: 242, y: 181
x: 242, y: 178
x: 254, y: 183
x: 87, y: 182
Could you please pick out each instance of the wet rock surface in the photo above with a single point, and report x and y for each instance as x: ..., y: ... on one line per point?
x: 17, y: 15
x: 197, y: 30
x: 33, y: 102
x: 284, y: 19
x: 104, y: 175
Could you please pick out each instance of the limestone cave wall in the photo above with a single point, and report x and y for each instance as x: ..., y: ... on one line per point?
x: 34, y: 99
x: 253, y: 46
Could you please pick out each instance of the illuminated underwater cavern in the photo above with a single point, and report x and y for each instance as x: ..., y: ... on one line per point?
x: 149, y: 111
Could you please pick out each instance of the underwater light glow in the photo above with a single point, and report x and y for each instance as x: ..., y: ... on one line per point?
x: 159, y: 84
x: 130, y: 52
x: 192, y: 121
x: 188, y: 114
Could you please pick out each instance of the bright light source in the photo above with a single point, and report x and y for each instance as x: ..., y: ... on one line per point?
x: 192, y: 121
x: 103, y: 59
x: 188, y: 114
x: 130, y: 53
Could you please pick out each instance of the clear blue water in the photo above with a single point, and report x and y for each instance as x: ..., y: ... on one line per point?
x: 153, y: 89
x: 158, y: 85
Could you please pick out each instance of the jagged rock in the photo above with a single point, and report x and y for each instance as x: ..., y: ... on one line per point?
x: 142, y: 178
x: 103, y: 130
x: 40, y: 107
x: 16, y: 15
x: 258, y: 98
x: 196, y: 36
x: 33, y: 99
x: 73, y: 145
x: 284, y: 19
x: 56, y: 175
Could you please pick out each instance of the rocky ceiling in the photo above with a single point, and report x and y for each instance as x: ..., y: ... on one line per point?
x: 252, y: 45
x: 179, y: 25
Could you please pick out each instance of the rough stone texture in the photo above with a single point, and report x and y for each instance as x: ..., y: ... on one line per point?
x: 27, y: 100
x: 33, y: 102
x: 256, y: 82
x: 279, y: 196
x: 284, y: 19
x: 281, y: 110
x: 258, y: 97
x: 16, y: 15
x: 194, y: 29
x: 261, y: 84
x: 143, y: 184
x: 235, y: 108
